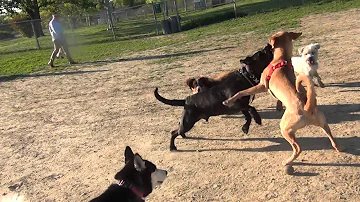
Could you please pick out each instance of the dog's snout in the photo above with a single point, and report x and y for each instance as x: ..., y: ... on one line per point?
x: 311, y: 59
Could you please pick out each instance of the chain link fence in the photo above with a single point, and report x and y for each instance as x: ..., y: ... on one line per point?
x: 128, y: 23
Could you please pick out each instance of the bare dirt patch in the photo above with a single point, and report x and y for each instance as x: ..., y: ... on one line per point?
x: 63, y: 135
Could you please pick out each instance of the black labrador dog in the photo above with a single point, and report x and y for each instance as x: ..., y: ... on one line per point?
x: 209, y: 103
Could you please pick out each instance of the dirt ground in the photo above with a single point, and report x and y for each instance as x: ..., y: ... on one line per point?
x: 63, y: 135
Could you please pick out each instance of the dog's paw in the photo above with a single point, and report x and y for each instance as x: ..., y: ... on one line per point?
x: 245, y: 129
x: 279, y: 106
x: 227, y: 103
x: 321, y: 85
x: 258, y: 121
x: 339, y: 148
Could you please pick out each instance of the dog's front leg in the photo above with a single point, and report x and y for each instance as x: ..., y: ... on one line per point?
x: 251, y: 91
x: 318, y: 79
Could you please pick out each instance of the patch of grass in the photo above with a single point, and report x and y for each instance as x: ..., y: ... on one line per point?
x: 96, y: 44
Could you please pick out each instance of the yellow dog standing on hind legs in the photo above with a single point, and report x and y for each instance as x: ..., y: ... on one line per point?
x: 279, y: 79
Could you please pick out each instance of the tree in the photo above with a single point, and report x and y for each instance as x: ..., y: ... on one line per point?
x: 32, y: 8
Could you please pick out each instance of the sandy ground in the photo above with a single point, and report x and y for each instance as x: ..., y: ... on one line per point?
x: 63, y: 135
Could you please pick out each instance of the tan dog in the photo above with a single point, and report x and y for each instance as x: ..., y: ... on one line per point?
x: 279, y: 79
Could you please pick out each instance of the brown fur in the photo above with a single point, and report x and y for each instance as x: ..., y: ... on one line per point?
x: 300, y: 110
x: 205, y: 82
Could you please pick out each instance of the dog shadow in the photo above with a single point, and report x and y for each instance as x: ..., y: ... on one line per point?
x: 351, y: 146
x: 344, y: 85
x: 334, y: 113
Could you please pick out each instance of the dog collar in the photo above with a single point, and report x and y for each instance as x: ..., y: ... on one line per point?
x: 123, y: 183
x: 249, y: 76
x: 278, y: 65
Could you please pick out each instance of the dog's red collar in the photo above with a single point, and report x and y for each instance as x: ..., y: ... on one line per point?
x: 122, y: 183
x: 278, y: 65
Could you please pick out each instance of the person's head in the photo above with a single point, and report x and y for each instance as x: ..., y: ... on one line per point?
x: 55, y: 15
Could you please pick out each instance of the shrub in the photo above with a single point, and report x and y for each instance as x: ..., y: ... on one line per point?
x: 24, y: 28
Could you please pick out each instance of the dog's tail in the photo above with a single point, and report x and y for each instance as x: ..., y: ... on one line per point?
x: 310, y: 95
x: 168, y: 102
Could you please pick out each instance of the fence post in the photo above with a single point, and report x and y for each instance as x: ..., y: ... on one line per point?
x: 110, y: 17
x: 235, y: 12
x: 36, y: 37
x: 163, y: 10
x: 177, y: 15
x: 154, y: 12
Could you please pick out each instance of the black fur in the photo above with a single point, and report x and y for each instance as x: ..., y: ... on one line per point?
x: 140, y: 179
x: 209, y: 103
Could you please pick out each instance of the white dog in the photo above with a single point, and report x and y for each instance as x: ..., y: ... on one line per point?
x: 12, y: 197
x: 308, y: 62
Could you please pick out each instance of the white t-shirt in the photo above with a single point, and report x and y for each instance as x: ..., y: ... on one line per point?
x: 55, y: 29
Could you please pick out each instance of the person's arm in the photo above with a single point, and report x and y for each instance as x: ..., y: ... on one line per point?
x: 56, y: 28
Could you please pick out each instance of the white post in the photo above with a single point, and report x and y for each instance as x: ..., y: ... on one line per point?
x: 235, y: 12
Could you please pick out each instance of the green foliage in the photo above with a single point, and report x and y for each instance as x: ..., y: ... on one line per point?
x: 24, y: 28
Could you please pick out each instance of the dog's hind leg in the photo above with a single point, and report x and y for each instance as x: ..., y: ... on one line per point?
x: 321, y: 121
x: 188, y: 121
x: 289, y: 124
x: 245, y: 127
x: 255, y: 115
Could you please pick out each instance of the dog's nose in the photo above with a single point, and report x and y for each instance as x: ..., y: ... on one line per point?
x: 166, y: 172
x: 311, y: 60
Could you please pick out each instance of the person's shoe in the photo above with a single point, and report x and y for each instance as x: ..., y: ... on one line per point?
x: 51, y: 63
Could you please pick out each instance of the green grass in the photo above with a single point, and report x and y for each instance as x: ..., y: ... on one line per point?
x: 94, y: 44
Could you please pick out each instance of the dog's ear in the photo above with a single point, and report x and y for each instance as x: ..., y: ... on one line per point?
x: 300, y: 50
x: 139, y: 163
x: 189, y: 82
x: 129, y: 154
x: 295, y: 35
x: 272, y: 41
x: 317, y: 45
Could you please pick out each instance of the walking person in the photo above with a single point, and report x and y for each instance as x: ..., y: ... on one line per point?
x: 58, y: 38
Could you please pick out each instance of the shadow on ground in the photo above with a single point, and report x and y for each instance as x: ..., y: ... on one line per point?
x: 13, y: 77
x: 152, y: 57
x: 333, y: 113
x: 352, y: 144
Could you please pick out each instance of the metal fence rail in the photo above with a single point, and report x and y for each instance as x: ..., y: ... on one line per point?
x: 128, y: 22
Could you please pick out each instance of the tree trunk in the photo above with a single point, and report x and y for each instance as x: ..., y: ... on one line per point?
x: 38, y: 28
x: 34, y: 14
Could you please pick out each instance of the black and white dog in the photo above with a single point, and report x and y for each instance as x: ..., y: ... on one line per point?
x: 137, y: 179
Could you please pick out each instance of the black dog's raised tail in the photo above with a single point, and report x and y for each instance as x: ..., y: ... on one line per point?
x: 168, y: 102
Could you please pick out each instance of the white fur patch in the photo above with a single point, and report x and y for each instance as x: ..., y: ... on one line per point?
x: 12, y: 197
x: 158, y: 177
